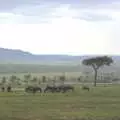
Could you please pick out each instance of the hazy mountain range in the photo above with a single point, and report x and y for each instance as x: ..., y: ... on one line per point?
x: 19, y: 56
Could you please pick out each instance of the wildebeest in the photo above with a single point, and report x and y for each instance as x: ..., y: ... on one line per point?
x: 85, y: 88
x: 3, y: 89
x: 60, y: 88
x: 65, y: 88
x: 9, y: 89
x: 51, y: 89
x: 33, y: 89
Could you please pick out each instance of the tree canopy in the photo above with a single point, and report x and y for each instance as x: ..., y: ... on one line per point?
x: 97, y: 62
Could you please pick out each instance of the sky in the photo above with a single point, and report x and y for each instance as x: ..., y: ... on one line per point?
x: 74, y: 27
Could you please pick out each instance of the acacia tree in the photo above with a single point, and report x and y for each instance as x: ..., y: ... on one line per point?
x: 62, y: 79
x: 18, y: 80
x: 27, y: 78
x: 43, y: 79
x: 54, y: 80
x: 13, y: 79
x: 96, y: 63
x: 3, y: 80
x: 39, y: 81
x: 34, y: 80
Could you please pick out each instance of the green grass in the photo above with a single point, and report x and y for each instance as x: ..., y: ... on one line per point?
x: 47, y: 68
x: 99, y: 103
x: 38, y: 68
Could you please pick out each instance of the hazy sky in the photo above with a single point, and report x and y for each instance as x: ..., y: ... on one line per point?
x: 61, y: 26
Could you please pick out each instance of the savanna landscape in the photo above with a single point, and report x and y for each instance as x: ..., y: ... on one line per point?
x: 86, y: 90
x: 59, y: 60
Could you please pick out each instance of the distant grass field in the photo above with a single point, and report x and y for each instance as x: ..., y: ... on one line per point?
x: 35, y: 68
x: 47, y: 74
x: 50, y: 68
x: 100, y: 103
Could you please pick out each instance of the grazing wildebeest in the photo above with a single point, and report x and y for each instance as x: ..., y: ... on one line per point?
x: 60, y: 88
x: 29, y: 89
x: 3, y: 89
x: 38, y: 89
x: 33, y: 89
x: 51, y: 89
x: 9, y: 89
x: 65, y: 88
x: 85, y: 88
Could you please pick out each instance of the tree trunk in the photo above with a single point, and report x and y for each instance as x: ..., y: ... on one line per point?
x: 95, y: 78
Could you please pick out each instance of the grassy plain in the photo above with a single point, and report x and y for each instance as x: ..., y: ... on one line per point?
x: 100, y: 103
x: 48, y: 68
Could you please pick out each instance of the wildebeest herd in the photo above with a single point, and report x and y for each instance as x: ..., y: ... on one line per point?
x: 53, y: 89
x: 9, y: 89
x: 48, y: 88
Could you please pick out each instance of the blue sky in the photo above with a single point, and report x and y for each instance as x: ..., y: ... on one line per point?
x: 74, y: 27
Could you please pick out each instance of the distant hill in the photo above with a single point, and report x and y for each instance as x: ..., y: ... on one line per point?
x: 18, y: 61
x: 19, y: 56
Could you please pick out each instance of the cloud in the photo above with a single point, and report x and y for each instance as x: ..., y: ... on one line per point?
x: 63, y: 36
x: 92, y: 16
x: 69, y: 27
x: 42, y: 11
x: 8, y: 5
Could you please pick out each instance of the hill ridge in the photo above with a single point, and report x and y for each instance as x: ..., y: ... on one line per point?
x: 19, y: 56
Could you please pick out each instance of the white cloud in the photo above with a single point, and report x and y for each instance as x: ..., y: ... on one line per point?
x: 64, y: 35
x: 66, y: 30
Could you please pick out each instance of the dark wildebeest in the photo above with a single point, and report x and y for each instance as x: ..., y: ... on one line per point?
x: 9, y: 89
x: 65, y: 88
x: 3, y: 89
x: 60, y: 88
x: 33, y: 89
x: 86, y: 88
x: 38, y: 89
x: 51, y: 89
